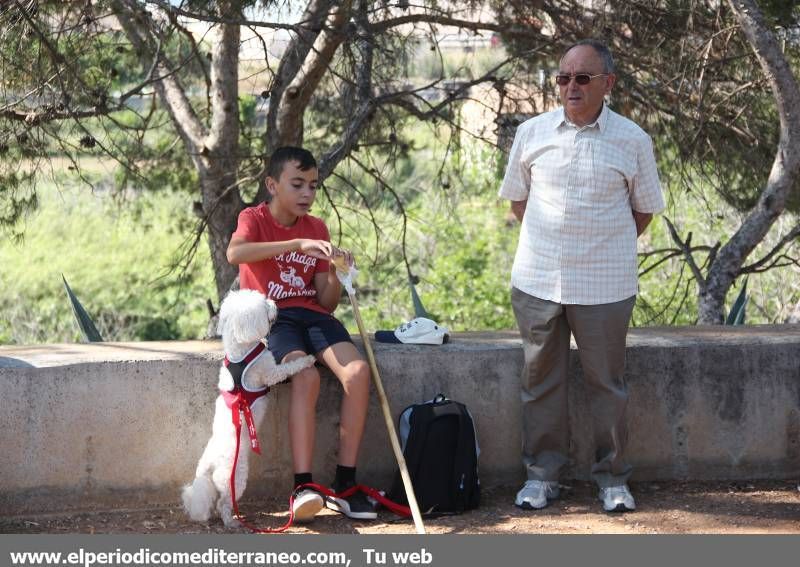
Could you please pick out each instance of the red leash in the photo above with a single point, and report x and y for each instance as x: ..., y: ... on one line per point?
x: 373, y: 493
x: 239, y: 403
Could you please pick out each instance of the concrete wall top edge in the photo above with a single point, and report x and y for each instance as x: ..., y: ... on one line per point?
x: 59, y: 355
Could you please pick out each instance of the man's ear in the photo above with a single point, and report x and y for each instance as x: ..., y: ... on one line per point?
x: 610, y: 80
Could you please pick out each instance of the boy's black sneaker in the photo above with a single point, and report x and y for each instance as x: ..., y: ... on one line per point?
x: 307, y: 503
x: 355, y: 506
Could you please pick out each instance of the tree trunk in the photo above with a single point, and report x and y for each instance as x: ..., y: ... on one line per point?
x: 711, y: 305
x: 727, y: 265
x: 213, y: 146
x: 794, y: 316
x: 219, y: 165
x: 222, y: 211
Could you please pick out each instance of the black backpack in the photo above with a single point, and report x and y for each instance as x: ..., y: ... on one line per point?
x: 441, y: 453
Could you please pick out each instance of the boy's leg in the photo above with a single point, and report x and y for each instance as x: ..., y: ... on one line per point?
x: 302, y: 414
x: 353, y: 372
x: 331, y: 341
x: 302, y: 426
x: 287, y: 342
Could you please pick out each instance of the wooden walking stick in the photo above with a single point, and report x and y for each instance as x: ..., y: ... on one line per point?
x: 344, y: 274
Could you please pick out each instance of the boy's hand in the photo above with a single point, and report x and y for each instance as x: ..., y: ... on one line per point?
x: 342, y: 258
x: 321, y: 249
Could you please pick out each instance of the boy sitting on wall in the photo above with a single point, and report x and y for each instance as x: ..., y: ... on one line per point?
x: 284, y: 252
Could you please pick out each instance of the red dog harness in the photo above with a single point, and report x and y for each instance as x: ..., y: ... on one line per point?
x: 240, y: 398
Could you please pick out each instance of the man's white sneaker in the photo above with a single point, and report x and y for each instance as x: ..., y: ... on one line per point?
x: 617, y: 499
x: 307, y: 503
x: 535, y: 494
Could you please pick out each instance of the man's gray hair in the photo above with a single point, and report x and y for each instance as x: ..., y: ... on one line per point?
x: 602, y: 50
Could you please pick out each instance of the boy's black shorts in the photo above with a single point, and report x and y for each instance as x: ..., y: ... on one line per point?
x: 298, y: 328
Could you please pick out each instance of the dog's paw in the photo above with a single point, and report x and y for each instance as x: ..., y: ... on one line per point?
x: 231, y: 522
x: 307, y: 361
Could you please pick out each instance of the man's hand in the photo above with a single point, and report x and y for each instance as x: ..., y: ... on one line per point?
x: 641, y: 220
x: 518, y: 208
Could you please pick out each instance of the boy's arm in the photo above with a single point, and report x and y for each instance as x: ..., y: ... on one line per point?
x: 242, y: 251
x: 329, y: 289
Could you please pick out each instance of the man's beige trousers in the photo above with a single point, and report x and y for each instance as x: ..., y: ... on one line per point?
x: 599, y: 332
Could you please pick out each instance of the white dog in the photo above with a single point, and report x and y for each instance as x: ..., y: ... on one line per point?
x: 245, y: 318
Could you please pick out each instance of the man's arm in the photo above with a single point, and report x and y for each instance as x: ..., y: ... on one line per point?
x: 641, y: 220
x: 518, y: 208
x: 241, y: 251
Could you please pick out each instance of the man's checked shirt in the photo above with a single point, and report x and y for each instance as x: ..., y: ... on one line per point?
x: 577, y: 243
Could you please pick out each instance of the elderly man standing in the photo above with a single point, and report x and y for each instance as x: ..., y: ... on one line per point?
x: 582, y: 180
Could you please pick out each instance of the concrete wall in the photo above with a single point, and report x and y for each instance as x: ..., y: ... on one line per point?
x: 91, y: 425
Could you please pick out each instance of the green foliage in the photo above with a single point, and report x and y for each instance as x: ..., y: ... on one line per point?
x: 463, y: 263
x: 17, y: 198
x: 668, y: 294
x: 117, y: 257
x: 156, y: 161
x: 470, y: 268
x: 460, y: 242
x: 431, y: 64
x: 461, y: 239
x: 60, y: 58
x: 781, y: 12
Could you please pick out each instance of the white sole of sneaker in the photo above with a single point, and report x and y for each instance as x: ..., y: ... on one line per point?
x: 529, y: 506
x: 620, y: 508
x: 306, y: 510
x: 525, y: 505
x: 340, y: 505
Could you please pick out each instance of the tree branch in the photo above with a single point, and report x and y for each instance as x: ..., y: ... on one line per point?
x: 785, y: 167
x: 224, y: 127
x: 219, y: 19
x: 445, y: 20
x: 686, y: 249
x: 299, y: 90
x: 134, y: 22
x: 757, y: 266
x: 365, y: 103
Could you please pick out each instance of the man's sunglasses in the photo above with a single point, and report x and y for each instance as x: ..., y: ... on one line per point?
x: 580, y: 78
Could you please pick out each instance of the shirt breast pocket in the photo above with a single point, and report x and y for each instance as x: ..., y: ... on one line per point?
x: 550, y: 174
x: 607, y: 174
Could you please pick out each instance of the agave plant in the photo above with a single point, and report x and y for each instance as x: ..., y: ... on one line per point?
x: 85, y: 323
x: 736, y: 315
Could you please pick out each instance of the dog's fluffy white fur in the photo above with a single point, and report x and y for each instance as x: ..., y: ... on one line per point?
x: 245, y: 317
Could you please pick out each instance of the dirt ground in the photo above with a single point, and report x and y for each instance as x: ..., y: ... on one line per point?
x: 662, y: 507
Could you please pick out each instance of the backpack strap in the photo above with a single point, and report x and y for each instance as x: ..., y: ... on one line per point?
x: 418, y: 435
x: 465, y: 447
x: 466, y: 460
x: 413, y: 447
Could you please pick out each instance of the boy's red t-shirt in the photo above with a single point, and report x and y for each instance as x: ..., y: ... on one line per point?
x: 288, y: 278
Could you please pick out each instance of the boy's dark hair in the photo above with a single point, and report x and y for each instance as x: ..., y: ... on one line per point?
x: 280, y: 157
